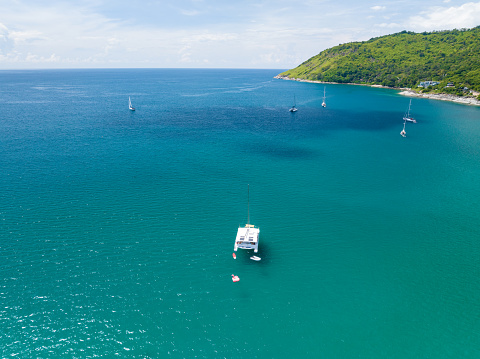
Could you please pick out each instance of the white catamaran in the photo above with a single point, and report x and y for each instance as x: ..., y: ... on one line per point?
x: 247, y: 237
x: 130, y: 104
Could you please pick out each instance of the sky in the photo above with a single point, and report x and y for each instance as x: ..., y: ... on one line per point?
x: 263, y: 34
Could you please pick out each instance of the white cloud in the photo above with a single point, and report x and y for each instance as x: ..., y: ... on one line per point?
x: 28, y: 36
x: 190, y: 12
x: 3, y: 29
x: 6, y: 42
x: 58, y: 35
x: 40, y: 59
x: 281, y: 34
x: 79, y: 35
x: 445, y: 18
x: 208, y: 37
x: 391, y: 25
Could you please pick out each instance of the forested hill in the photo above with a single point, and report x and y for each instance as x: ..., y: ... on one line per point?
x: 403, y: 59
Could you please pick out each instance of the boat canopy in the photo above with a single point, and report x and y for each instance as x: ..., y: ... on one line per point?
x: 247, y: 238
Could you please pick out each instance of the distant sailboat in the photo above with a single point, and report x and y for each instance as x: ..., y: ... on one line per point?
x: 407, y: 116
x: 293, y: 109
x: 130, y: 104
x: 323, y: 103
x: 403, y: 133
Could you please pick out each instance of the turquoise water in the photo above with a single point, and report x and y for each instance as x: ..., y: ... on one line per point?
x: 117, y: 228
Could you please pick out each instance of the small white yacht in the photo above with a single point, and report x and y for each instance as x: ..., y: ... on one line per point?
x: 402, y: 132
x: 407, y: 116
x: 323, y: 102
x: 131, y: 108
x: 247, y: 237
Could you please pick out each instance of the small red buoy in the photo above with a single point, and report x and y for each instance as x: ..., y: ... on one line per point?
x: 235, y: 278
x: 234, y: 256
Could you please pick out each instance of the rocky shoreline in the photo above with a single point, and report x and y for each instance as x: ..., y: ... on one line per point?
x: 443, y: 97
x: 404, y: 91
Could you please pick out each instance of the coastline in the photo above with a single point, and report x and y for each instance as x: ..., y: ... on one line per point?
x: 443, y: 97
x: 403, y: 91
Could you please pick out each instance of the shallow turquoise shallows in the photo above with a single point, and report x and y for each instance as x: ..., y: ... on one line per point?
x: 117, y: 227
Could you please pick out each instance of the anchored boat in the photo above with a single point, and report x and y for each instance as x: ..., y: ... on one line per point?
x: 407, y: 116
x: 293, y: 108
x: 402, y: 132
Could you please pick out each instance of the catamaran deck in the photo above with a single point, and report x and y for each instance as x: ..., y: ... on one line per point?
x: 247, y: 238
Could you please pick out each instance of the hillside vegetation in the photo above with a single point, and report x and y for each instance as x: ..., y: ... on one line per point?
x: 401, y: 60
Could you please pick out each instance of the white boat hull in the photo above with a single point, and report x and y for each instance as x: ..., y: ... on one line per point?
x: 247, y: 238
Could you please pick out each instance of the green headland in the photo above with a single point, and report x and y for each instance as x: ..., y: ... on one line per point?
x: 446, y: 62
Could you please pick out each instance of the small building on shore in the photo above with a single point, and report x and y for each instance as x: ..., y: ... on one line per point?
x: 426, y: 84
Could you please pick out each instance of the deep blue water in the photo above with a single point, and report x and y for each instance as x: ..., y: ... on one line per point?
x: 117, y: 227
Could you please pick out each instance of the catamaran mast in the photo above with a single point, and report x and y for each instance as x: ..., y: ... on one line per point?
x: 248, y: 205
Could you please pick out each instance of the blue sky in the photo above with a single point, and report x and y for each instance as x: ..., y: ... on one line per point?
x: 276, y: 34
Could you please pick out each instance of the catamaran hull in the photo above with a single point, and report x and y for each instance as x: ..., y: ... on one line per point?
x: 247, y: 238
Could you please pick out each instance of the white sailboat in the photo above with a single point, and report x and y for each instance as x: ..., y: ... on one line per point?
x: 323, y: 102
x: 247, y: 237
x: 407, y: 116
x: 402, y: 132
x: 293, y: 109
x: 131, y: 108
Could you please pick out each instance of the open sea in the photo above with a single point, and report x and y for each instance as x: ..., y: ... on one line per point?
x: 117, y: 227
